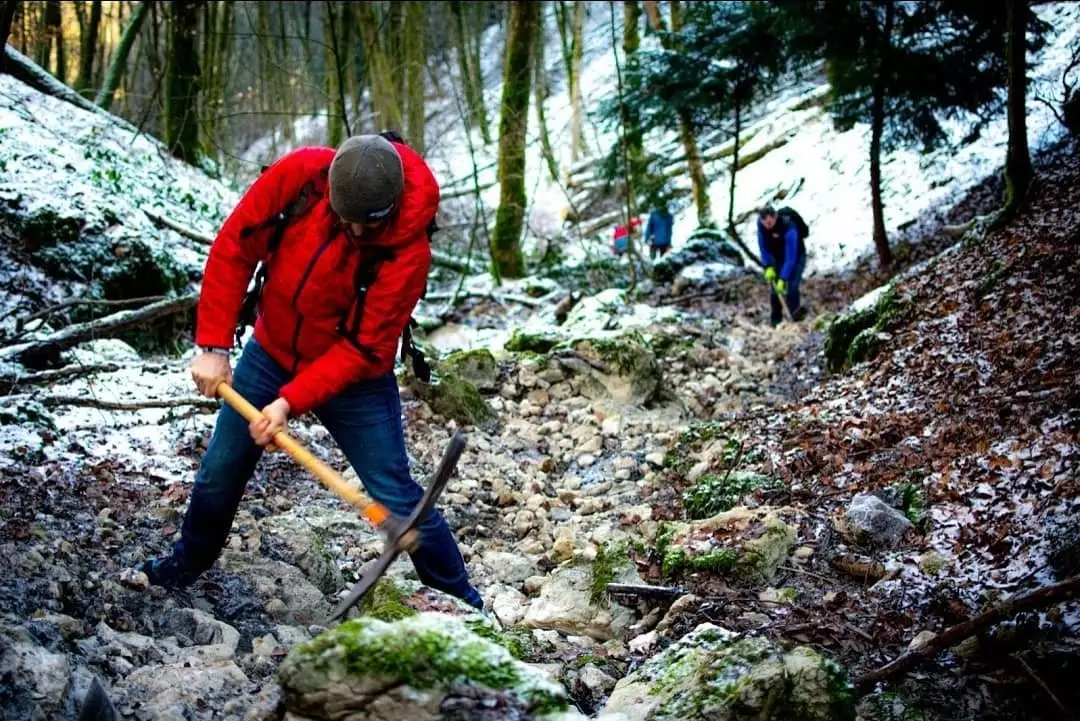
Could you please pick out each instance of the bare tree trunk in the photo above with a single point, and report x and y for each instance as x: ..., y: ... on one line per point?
x: 577, y: 56
x: 54, y: 37
x: 540, y: 95
x: 285, y: 91
x: 395, y: 46
x: 385, y: 103
x: 877, y: 128
x: 506, y: 256
x: 1018, y: 169
x: 182, y: 82
x: 698, y: 181
x: 336, y: 109
x: 414, y: 58
x: 7, y: 18
x: 734, y: 169
x: 474, y: 95
x: 105, y: 96
x: 88, y: 49
x: 266, y: 69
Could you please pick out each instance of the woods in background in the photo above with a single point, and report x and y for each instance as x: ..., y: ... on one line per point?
x: 213, y: 78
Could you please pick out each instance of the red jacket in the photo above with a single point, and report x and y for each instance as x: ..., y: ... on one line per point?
x: 310, y: 286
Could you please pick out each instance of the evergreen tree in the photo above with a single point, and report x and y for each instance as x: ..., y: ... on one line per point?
x: 904, y: 69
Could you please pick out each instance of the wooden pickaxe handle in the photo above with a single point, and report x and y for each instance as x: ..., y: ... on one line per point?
x: 374, y: 512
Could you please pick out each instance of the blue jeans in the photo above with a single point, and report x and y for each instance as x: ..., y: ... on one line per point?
x: 365, y: 420
x: 776, y: 313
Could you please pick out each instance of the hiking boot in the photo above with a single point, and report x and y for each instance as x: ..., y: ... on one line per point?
x: 168, y: 572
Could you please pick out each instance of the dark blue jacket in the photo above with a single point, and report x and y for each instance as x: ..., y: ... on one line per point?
x: 658, y: 229
x: 780, y: 246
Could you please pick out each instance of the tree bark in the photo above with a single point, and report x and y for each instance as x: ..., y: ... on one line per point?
x: 1018, y: 169
x: 385, y: 104
x: 7, y: 18
x: 414, y: 73
x: 266, y: 65
x: 506, y: 255
x: 88, y: 50
x: 284, y: 73
x: 577, y: 137
x: 395, y: 46
x: 734, y: 168
x: 699, y: 183
x: 877, y: 129
x: 182, y: 82
x: 335, y: 115
x: 54, y: 37
x: 540, y: 94
x: 105, y: 96
x: 474, y: 95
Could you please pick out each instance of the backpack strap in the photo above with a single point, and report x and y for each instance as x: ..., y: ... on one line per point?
x: 310, y: 193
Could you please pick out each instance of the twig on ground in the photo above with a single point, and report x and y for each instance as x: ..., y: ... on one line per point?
x: 1039, y: 598
x: 189, y: 233
x: 75, y: 302
x: 49, y: 376
x: 1042, y: 684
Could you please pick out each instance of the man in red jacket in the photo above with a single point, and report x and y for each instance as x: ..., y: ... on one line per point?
x: 343, y: 238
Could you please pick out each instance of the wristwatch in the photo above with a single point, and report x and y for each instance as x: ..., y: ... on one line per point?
x: 215, y: 351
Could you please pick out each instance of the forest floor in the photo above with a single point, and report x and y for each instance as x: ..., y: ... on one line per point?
x: 963, y: 416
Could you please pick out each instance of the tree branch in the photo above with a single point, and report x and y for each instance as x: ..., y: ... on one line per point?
x: 183, y: 230
x: 10, y: 381
x: 88, y: 402
x: 108, y: 326
x: 1039, y: 598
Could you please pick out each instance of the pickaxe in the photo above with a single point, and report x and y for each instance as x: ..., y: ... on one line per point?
x: 400, y: 533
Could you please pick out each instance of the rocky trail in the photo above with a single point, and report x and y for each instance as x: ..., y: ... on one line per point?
x: 670, y: 509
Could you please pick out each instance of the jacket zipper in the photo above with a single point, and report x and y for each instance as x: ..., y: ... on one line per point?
x: 296, y: 296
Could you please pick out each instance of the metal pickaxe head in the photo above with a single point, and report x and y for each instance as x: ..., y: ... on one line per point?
x: 400, y: 533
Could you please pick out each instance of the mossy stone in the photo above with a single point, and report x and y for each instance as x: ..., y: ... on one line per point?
x: 455, y: 398
x: 522, y: 342
x: 476, y: 366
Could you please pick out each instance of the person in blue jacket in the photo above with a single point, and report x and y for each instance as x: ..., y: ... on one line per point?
x: 781, y: 237
x: 658, y: 231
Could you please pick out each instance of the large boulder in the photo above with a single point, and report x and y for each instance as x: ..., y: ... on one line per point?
x: 572, y: 598
x: 704, y: 247
x: 854, y: 336
x: 743, y: 545
x: 301, y: 538
x: 620, y: 371
x: 424, y: 667
x: 297, y: 600
x: 476, y: 366
x: 33, y: 680
x: 712, y: 674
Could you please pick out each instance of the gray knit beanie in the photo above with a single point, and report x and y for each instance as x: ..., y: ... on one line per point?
x: 365, y: 177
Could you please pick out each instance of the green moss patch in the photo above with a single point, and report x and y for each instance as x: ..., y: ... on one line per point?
x: 853, y: 338
x: 521, y: 342
x: 716, y: 492
x: 427, y: 652
x: 455, y: 398
x: 385, y: 602
x: 610, y: 559
x: 713, y: 674
x: 477, y: 366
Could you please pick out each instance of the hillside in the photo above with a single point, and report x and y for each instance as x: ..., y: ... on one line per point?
x: 786, y: 510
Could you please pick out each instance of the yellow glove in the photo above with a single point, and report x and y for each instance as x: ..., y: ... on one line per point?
x: 770, y: 274
x: 781, y: 286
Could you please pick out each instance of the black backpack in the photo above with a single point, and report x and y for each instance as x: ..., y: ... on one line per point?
x: 800, y: 224
x: 366, y: 271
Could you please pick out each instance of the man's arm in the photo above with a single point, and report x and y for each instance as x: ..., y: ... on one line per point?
x: 233, y: 258
x: 766, y: 259
x: 387, y: 308
x: 791, y: 252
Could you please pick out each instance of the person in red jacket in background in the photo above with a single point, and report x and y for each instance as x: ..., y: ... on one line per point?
x: 343, y: 275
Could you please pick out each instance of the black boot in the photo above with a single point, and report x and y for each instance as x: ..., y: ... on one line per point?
x: 168, y: 572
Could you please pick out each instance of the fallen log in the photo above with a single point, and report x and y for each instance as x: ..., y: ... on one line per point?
x: 1039, y: 598
x: 37, y: 350
x: 21, y: 323
x: 12, y: 380
x: 189, y: 233
x: 443, y: 260
x: 23, y: 68
x: 90, y: 402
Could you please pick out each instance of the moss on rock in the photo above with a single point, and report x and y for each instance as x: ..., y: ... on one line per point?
x: 385, y: 602
x: 522, y: 342
x: 421, y: 658
x: 713, y: 674
x: 632, y: 376
x: 853, y: 337
x: 610, y: 559
x: 477, y: 366
x: 456, y: 398
x: 750, y: 560
x: 705, y: 245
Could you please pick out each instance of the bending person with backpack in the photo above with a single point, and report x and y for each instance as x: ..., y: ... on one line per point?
x: 781, y: 235
x: 345, y: 251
